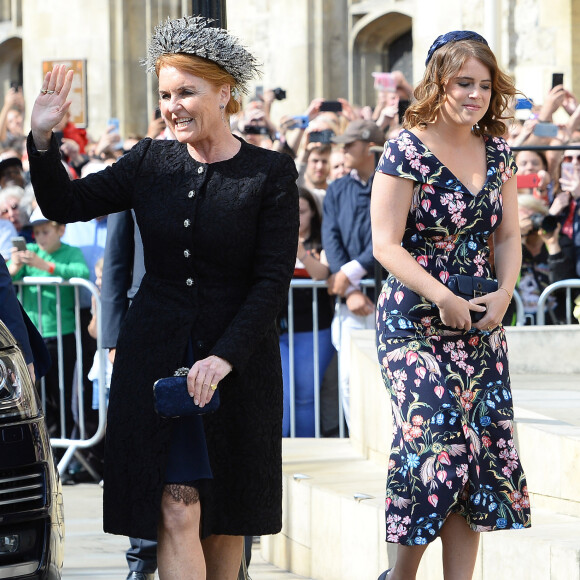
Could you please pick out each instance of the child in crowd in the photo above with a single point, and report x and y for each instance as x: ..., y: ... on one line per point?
x: 100, y: 355
x: 50, y: 257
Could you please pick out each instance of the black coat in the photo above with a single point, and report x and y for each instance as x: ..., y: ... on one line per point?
x: 220, y: 246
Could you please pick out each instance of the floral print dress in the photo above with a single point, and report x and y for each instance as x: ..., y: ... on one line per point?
x: 453, y: 449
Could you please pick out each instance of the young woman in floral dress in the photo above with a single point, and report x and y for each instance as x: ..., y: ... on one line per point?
x: 443, y: 187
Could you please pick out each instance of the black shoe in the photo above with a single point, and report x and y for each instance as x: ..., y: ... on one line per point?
x: 384, y: 575
x: 140, y: 576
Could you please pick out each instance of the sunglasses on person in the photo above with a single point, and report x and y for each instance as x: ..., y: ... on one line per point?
x: 570, y: 158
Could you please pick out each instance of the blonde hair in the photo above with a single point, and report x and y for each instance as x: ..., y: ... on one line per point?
x: 531, y: 202
x: 205, y: 69
x: 445, y: 63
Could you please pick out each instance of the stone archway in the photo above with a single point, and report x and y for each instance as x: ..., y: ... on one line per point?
x: 381, y: 43
x: 10, y: 63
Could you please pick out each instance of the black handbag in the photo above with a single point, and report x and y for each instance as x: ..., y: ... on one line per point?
x: 469, y: 287
x: 171, y: 398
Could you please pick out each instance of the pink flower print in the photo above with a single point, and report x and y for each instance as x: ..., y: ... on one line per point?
x: 512, y: 464
x: 461, y: 471
x: 433, y: 499
x: 449, y: 484
x: 425, y: 170
x: 417, y: 420
x: 501, y: 443
x: 415, y: 432
x: 421, y: 372
x: 439, y: 391
x: 433, y: 212
x: 426, y: 321
x: 411, y: 357
x: 493, y: 220
x: 499, y: 367
x: 399, y: 296
x: 507, y: 471
x: 444, y: 276
x: 420, y: 226
x: 486, y: 441
x: 423, y: 260
x: 441, y: 475
x: 411, y: 152
x: 426, y: 204
x: 428, y: 188
x: 443, y: 458
x: 415, y: 163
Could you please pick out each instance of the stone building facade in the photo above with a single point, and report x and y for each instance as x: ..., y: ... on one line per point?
x: 311, y: 48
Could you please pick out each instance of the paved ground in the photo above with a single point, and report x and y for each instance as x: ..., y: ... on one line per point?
x: 91, y: 554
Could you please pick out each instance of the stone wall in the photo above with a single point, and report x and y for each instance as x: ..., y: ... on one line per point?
x: 308, y: 47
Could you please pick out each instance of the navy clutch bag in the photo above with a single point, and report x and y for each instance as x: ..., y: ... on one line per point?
x: 469, y: 287
x: 172, y: 400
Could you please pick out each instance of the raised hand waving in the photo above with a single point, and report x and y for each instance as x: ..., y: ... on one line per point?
x: 51, y: 105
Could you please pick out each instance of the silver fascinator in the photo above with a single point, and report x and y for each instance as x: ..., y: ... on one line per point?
x: 194, y: 35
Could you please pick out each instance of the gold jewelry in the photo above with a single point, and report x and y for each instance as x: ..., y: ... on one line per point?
x: 506, y: 291
x: 490, y: 328
x: 213, y: 387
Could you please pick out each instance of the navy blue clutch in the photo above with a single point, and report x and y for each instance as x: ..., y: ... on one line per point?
x: 469, y: 287
x: 172, y: 400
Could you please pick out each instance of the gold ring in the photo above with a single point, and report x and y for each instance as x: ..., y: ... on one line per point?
x: 490, y: 328
x: 213, y: 387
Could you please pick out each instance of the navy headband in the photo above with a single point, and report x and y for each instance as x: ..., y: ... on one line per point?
x: 453, y: 37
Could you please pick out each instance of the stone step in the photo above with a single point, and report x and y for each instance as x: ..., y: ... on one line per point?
x: 333, y: 525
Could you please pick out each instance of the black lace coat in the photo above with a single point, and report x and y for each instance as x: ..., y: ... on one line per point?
x: 220, y: 245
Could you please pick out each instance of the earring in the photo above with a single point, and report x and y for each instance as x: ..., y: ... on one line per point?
x: 222, y: 107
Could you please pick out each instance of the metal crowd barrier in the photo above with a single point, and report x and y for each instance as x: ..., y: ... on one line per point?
x: 568, y: 285
x: 73, y: 445
x: 314, y: 286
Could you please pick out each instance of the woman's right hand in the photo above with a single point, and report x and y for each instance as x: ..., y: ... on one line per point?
x: 454, y: 311
x: 51, y: 105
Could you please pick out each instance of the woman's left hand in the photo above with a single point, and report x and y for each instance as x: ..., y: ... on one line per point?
x: 204, y: 377
x: 496, y: 304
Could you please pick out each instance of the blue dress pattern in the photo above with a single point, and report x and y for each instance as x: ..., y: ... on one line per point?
x: 453, y: 449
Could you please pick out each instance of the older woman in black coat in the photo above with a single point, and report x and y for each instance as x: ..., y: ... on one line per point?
x: 219, y: 222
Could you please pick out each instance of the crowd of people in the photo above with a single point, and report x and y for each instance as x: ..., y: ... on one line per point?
x: 327, y: 148
x: 330, y: 153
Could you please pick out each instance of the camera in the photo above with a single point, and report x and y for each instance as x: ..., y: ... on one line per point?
x: 331, y: 106
x: 321, y: 136
x: 548, y: 223
x: 279, y: 94
x: 256, y: 130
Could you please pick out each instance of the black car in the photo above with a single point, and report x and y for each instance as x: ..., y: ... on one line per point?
x: 31, y: 509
